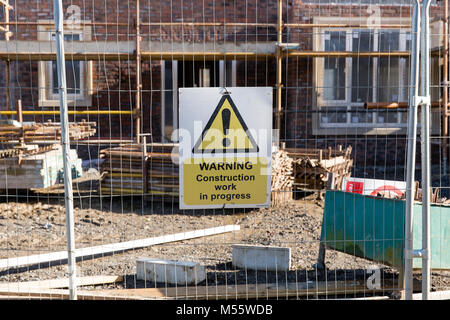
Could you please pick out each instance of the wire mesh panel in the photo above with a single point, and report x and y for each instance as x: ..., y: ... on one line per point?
x: 339, y: 73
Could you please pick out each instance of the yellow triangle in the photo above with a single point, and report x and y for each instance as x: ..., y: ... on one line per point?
x: 225, y: 131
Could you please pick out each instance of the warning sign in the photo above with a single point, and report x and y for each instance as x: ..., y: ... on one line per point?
x: 231, y: 180
x: 225, y: 143
x: 225, y: 131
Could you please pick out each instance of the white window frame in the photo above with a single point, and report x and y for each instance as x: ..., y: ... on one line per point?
x: 222, y: 68
x: 46, y: 96
x: 373, y: 127
x: 174, y: 97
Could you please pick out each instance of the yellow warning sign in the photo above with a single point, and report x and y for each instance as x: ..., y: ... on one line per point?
x: 225, y: 131
x: 212, y: 181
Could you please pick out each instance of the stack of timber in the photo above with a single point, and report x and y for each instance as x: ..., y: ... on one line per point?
x: 317, y: 169
x: 33, y: 132
x: 163, y: 174
x: 36, y: 168
x: 23, y: 150
x: 128, y: 171
x: 282, y: 178
x: 122, y: 170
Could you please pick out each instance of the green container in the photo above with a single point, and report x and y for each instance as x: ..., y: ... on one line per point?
x: 373, y: 228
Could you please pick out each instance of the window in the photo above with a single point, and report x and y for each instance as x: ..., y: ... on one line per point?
x: 78, y: 73
x: 185, y: 74
x: 73, y: 72
x: 345, y: 84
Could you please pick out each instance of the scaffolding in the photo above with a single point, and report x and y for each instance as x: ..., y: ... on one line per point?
x: 5, y: 29
x: 139, y: 51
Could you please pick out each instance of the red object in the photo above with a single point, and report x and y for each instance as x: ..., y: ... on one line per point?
x: 354, y: 187
x: 387, y: 188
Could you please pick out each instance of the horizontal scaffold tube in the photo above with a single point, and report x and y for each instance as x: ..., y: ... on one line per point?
x: 73, y: 112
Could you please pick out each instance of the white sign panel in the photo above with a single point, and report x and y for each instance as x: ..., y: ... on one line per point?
x: 225, y: 141
x: 373, y: 186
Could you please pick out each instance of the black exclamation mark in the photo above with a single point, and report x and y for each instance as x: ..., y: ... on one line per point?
x: 225, y: 126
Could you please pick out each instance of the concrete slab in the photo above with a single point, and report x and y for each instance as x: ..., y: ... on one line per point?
x: 170, y: 271
x: 261, y: 257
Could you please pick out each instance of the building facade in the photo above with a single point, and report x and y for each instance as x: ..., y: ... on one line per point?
x: 182, y: 44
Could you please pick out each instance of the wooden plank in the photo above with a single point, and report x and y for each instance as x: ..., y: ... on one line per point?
x: 222, y: 292
x: 57, y: 283
x: 60, y: 294
x: 251, y: 291
x: 332, y: 162
x: 114, y: 247
x: 435, y: 295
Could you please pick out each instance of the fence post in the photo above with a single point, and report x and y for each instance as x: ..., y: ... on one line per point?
x: 64, y: 120
x: 420, y: 22
x: 411, y: 157
x: 425, y: 149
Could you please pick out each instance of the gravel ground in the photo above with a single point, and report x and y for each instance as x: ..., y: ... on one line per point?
x: 31, y: 225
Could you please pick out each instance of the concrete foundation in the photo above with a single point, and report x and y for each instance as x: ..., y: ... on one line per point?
x: 261, y: 257
x: 170, y: 271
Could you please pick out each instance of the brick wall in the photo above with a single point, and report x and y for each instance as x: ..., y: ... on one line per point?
x: 114, y: 82
x: 369, y: 151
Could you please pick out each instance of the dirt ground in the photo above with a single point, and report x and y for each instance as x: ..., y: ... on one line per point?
x: 36, y: 224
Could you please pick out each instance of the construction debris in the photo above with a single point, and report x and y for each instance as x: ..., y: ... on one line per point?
x: 57, y: 283
x: 316, y: 169
x: 251, y: 291
x: 60, y: 294
x: 435, y: 195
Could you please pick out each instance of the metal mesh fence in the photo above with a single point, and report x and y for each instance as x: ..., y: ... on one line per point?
x: 337, y: 78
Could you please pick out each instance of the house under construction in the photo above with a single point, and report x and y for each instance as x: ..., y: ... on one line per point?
x: 335, y: 81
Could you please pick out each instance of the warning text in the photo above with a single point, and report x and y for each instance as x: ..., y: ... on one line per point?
x: 225, y: 181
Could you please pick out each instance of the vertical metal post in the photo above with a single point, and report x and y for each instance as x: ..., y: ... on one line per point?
x: 445, y: 92
x: 8, y: 85
x: 64, y: 118
x: 20, y: 119
x: 8, y: 61
x: 445, y: 86
x: 19, y: 111
x: 279, y: 61
x: 425, y: 149
x: 138, y: 74
x: 411, y: 158
x: 144, y: 166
